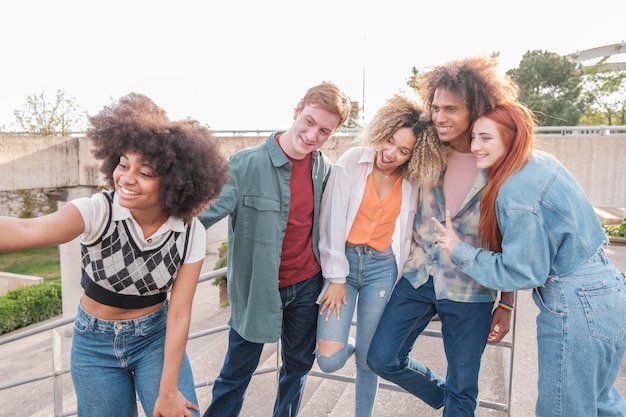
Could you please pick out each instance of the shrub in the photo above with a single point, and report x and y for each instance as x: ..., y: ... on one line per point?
x: 221, y: 282
x: 617, y: 230
x: 28, y: 305
x: 221, y: 262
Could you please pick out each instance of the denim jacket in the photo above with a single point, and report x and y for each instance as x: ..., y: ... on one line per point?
x: 257, y: 200
x: 428, y: 258
x: 548, y: 227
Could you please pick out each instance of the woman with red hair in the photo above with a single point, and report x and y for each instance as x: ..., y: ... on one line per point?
x: 539, y: 231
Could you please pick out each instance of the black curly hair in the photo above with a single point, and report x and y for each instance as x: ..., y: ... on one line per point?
x: 475, y: 79
x: 184, y: 153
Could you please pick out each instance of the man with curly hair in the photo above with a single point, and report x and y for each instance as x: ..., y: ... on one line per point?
x: 456, y: 94
x: 274, y: 276
x: 139, y: 242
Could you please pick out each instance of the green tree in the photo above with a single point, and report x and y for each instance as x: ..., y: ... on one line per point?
x: 353, y: 117
x: 57, y: 117
x: 552, y: 86
x: 606, y: 93
x: 411, y: 81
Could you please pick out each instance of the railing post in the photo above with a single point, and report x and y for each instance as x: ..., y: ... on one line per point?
x: 57, y: 381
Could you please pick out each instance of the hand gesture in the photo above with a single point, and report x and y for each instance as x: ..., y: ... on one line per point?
x: 447, y: 237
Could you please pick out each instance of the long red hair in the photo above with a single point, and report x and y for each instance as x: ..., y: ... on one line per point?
x: 516, y: 126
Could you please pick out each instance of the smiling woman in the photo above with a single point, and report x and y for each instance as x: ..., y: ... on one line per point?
x: 139, y: 242
x: 538, y: 230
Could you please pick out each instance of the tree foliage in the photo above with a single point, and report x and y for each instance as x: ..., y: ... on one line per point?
x: 353, y: 117
x: 552, y: 86
x: 606, y: 94
x: 411, y: 81
x: 57, y: 117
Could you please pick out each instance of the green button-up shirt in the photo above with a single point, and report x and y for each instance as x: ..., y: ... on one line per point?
x: 257, y: 200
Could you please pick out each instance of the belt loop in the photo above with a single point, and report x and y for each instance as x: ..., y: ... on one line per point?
x: 137, y: 328
x: 603, y: 256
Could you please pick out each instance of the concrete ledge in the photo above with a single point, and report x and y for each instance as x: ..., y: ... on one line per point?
x: 611, y: 215
x: 10, y: 281
x: 617, y: 240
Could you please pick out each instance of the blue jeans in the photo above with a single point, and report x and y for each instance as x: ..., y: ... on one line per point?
x: 370, y: 281
x: 112, y: 359
x: 298, y: 345
x: 464, y: 328
x: 580, y: 339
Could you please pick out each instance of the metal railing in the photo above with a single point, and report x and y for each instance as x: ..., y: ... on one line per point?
x: 58, y: 371
x: 602, y: 130
x: 540, y: 130
x: 352, y: 131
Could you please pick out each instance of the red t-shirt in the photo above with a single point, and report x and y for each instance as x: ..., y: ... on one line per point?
x: 298, y: 260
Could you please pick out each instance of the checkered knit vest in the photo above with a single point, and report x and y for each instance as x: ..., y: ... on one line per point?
x: 116, y: 272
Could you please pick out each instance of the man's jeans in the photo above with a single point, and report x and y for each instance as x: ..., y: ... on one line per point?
x: 297, y: 353
x: 464, y: 328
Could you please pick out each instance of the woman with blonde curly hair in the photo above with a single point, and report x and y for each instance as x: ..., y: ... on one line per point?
x: 139, y: 241
x: 368, y: 202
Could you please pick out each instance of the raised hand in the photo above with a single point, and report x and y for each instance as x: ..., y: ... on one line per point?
x: 447, y: 237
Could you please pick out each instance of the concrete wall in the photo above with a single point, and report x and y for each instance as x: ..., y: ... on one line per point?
x: 597, y: 161
x: 9, y: 281
x: 31, y: 162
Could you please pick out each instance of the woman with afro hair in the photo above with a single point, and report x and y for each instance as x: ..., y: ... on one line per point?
x: 140, y: 240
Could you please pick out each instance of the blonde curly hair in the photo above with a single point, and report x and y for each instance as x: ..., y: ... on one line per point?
x: 429, y: 154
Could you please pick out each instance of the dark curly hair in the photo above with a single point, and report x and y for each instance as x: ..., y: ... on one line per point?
x: 184, y: 153
x: 475, y: 79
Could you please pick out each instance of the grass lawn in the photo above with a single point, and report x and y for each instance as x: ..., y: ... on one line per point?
x: 41, y: 262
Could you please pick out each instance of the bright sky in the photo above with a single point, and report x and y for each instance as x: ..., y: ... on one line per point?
x: 245, y: 64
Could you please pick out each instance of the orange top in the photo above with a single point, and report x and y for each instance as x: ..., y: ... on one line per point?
x: 376, y: 220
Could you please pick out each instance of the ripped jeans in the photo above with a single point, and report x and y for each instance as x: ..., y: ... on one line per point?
x: 369, y: 284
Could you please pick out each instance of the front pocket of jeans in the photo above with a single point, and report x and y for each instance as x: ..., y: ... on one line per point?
x: 81, y: 326
x: 605, y: 310
x: 542, y: 296
x: 152, y: 326
x: 381, y: 256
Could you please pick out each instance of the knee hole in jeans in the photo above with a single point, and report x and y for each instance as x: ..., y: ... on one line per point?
x: 329, y: 347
